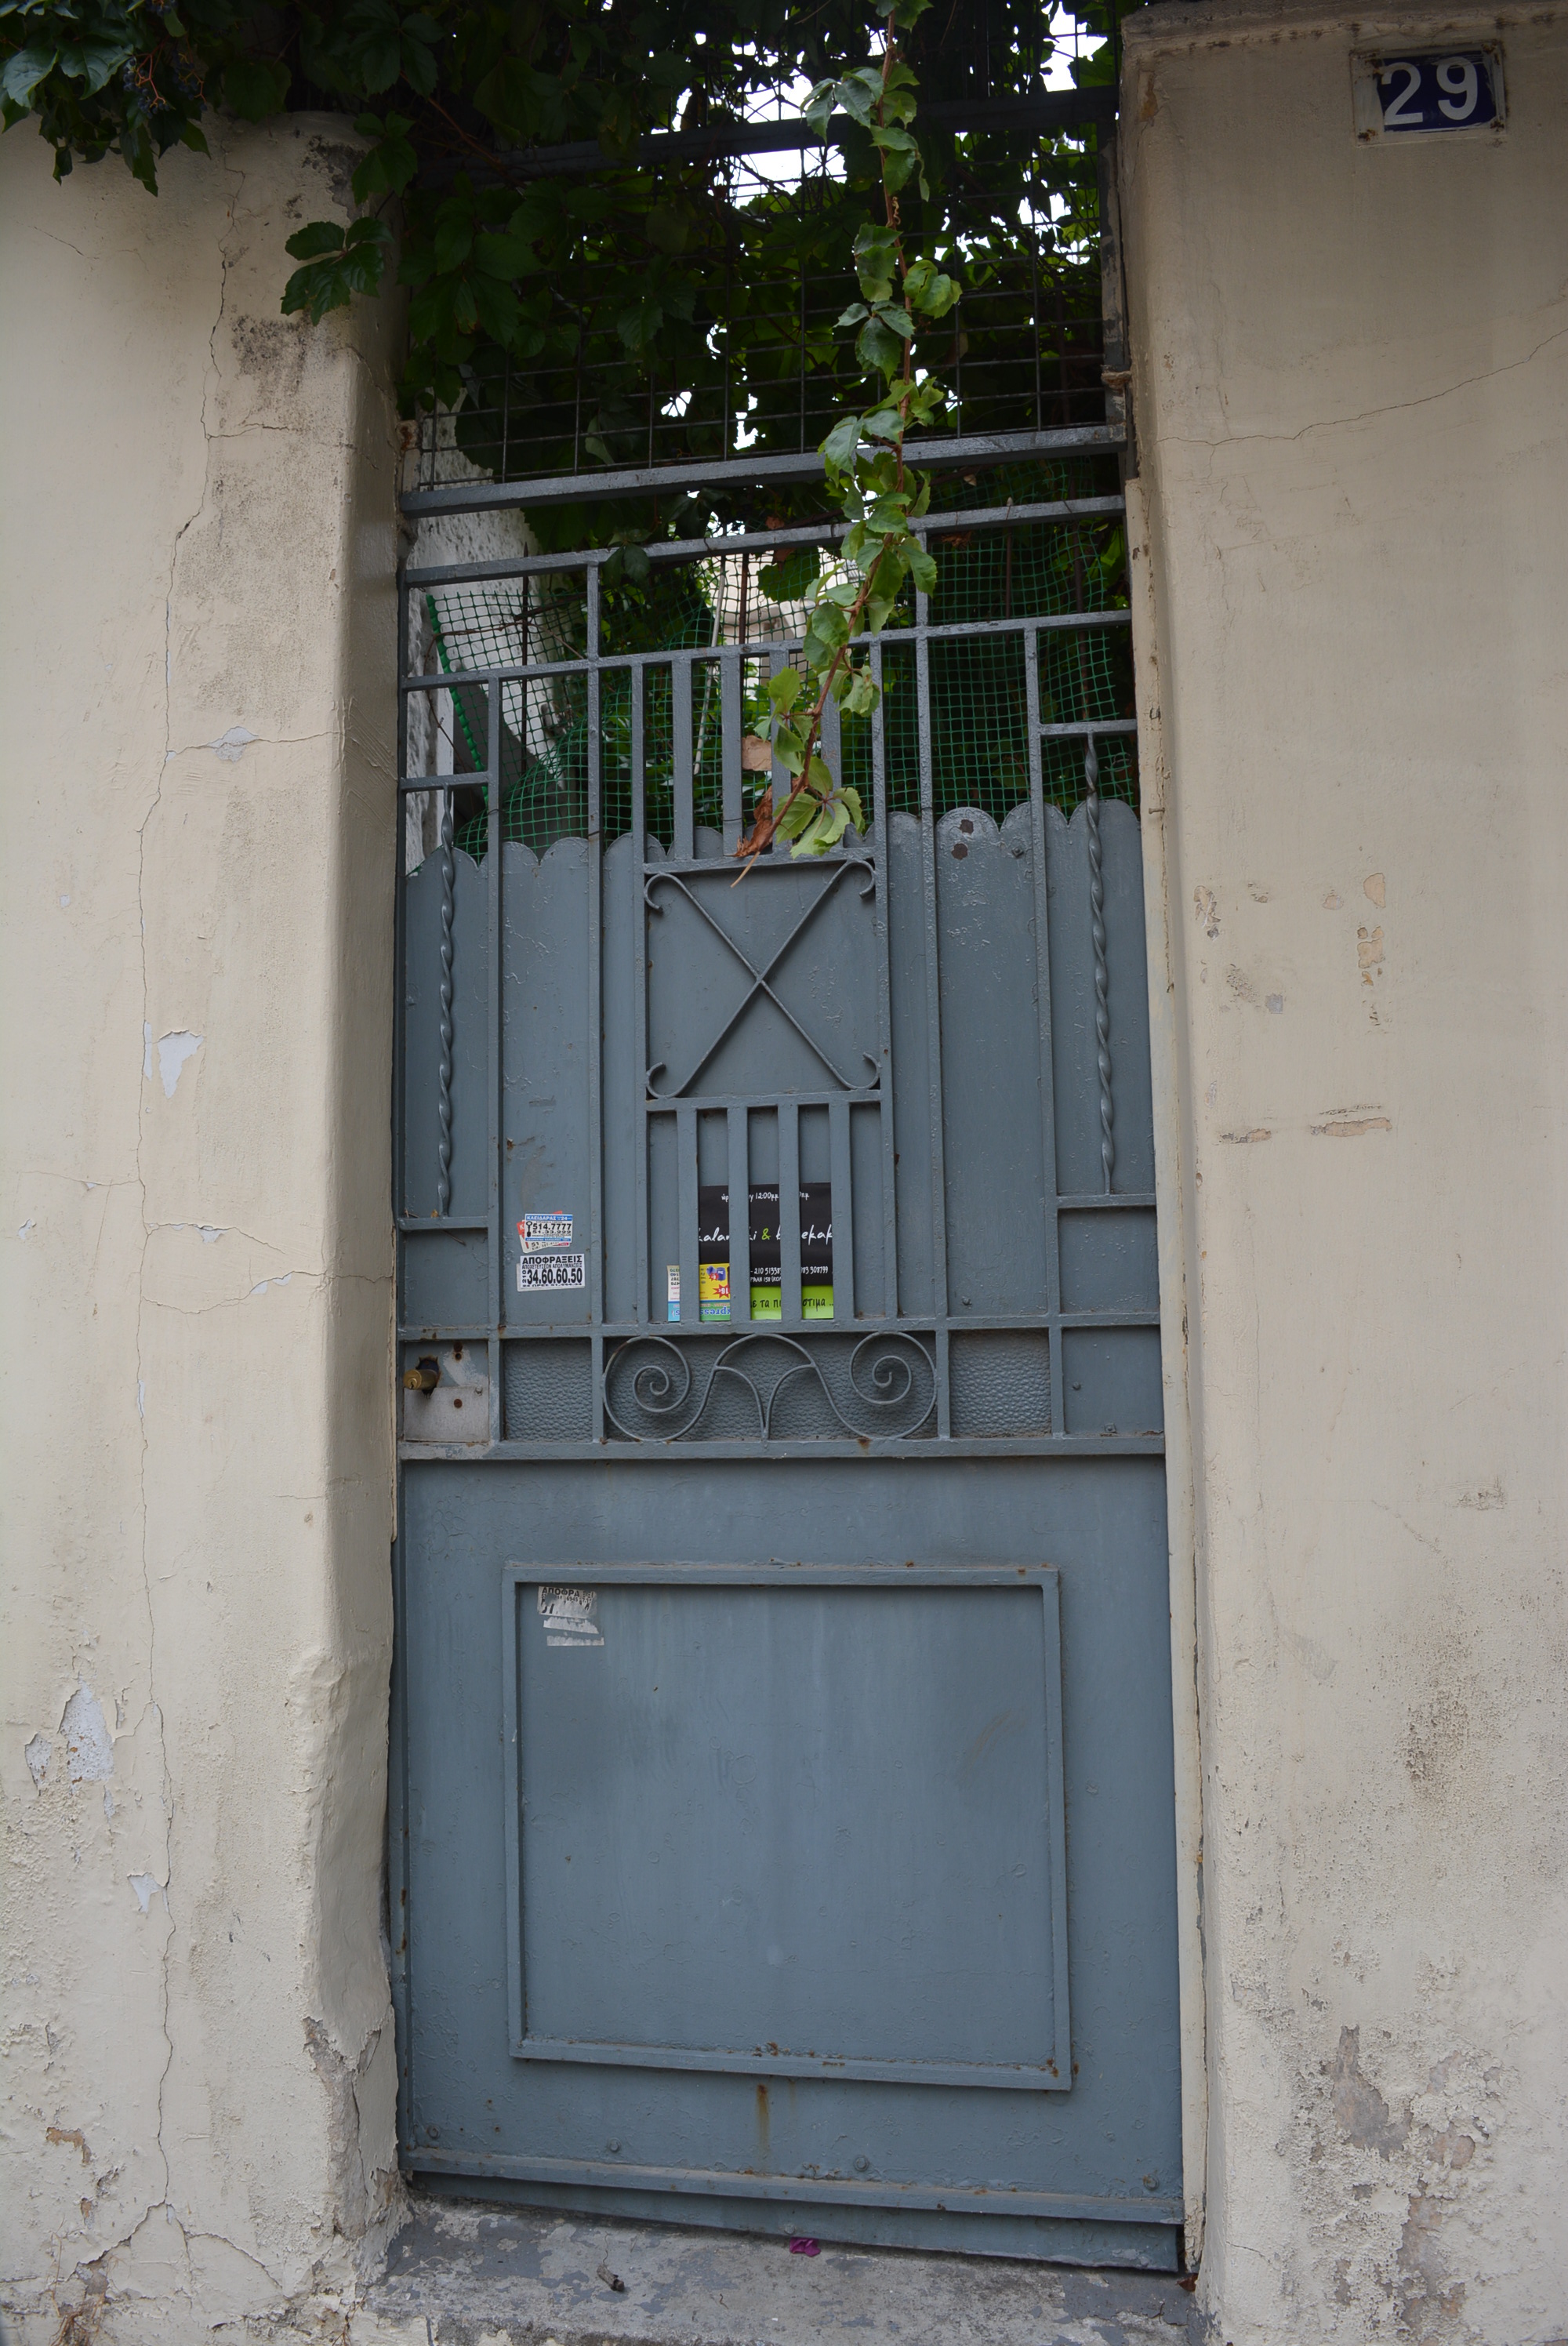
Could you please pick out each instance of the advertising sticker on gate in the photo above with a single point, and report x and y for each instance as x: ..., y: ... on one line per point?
x: 543, y: 1260
x: 570, y: 1616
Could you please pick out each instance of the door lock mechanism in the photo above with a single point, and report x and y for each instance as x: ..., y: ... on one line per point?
x: 423, y: 1378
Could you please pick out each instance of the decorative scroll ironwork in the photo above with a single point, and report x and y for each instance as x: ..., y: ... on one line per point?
x: 759, y: 977
x: 658, y: 1390
x: 1102, y: 968
x: 443, y: 1078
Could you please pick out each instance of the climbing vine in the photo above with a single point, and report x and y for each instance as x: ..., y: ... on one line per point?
x: 864, y: 455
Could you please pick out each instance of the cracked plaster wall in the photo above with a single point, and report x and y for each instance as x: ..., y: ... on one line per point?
x: 199, y: 865
x: 1350, y: 389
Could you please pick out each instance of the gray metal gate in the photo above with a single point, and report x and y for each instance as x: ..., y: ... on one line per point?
x: 782, y: 1789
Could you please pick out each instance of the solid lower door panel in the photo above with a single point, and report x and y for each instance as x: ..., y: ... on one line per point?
x: 822, y: 1873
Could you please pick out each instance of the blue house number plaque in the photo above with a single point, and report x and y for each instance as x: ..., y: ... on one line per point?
x: 1438, y: 91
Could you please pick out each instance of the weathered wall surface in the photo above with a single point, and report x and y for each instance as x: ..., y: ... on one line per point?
x: 198, y: 857
x: 1351, y: 390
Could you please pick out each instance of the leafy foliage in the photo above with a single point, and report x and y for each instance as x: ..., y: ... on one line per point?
x: 600, y: 297
x: 864, y: 454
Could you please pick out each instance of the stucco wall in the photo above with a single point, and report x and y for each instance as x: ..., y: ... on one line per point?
x: 1351, y: 398
x: 200, y: 843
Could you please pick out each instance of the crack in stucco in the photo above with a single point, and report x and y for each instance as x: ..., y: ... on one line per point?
x: 1368, y: 414
x: 144, y: 1302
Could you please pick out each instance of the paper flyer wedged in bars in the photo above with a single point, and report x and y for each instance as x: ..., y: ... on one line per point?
x: 815, y: 1227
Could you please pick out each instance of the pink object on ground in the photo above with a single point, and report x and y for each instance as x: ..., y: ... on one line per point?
x: 803, y: 2247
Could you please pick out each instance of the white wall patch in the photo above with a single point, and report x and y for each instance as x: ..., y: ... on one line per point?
x: 173, y: 1050
x: 89, y: 1754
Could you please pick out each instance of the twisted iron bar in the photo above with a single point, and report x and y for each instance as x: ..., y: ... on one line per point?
x: 1102, y: 969
x: 444, y: 1094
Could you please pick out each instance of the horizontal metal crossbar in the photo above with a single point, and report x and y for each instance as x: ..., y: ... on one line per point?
x: 934, y: 1446
x: 1055, y: 109
x: 982, y: 2199
x: 759, y: 541
x: 580, y: 488
x: 957, y: 1323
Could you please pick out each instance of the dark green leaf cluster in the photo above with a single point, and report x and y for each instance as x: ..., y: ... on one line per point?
x: 646, y: 294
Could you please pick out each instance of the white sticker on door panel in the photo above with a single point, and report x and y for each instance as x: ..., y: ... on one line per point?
x: 570, y: 1616
x: 537, y: 1231
x: 537, y: 1271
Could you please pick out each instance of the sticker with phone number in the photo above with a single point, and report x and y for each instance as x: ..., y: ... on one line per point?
x: 539, y: 1270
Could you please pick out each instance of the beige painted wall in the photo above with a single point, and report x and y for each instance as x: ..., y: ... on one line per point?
x: 1351, y: 396
x: 199, y: 855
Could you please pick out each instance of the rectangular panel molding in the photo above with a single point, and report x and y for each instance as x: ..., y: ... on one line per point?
x: 796, y: 1820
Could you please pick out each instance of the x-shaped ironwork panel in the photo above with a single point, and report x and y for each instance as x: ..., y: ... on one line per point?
x: 759, y: 977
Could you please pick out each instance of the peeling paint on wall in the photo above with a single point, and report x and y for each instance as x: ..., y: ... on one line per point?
x: 90, y: 1753
x: 1362, y: 2114
x: 173, y: 1050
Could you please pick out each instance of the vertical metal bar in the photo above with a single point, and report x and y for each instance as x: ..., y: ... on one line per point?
x: 789, y: 1305
x: 729, y: 715
x: 933, y: 1013
x: 1102, y: 966
x: 1051, y: 1181
x: 595, y: 1246
x: 398, y: 1886
x: 779, y: 776
x: 494, y: 996
x: 685, y: 1176
x: 739, y: 1216
x: 399, y: 938
x: 639, y: 992
x: 832, y: 736
x: 843, y: 1211
x: 683, y: 780
x: 443, y: 1004
x: 885, y: 1075
x: 1034, y: 319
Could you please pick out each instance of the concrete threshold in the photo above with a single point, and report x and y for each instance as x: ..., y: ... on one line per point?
x: 468, y: 2274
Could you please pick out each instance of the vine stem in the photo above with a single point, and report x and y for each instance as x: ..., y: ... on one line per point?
x: 764, y: 827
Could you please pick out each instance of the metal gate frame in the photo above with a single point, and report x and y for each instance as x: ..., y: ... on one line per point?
x: 1167, y: 1189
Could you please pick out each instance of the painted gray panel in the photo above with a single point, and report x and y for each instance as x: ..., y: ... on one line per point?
x: 1110, y: 1261
x: 911, y: 1075
x: 421, y: 998
x: 1112, y: 1377
x: 1100, y: 1523
x: 1079, y: 1170
x: 544, y: 1062
x: 991, y: 1062
x: 893, y: 1908
x: 866, y: 1194
x: 623, y: 1075
x: 444, y: 1282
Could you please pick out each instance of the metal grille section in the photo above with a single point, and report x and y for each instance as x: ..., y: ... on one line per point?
x: 847, y: 1154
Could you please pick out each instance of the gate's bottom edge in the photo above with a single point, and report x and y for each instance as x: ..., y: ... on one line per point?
x: 1034, y: 2240
x: 709, y: 2183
